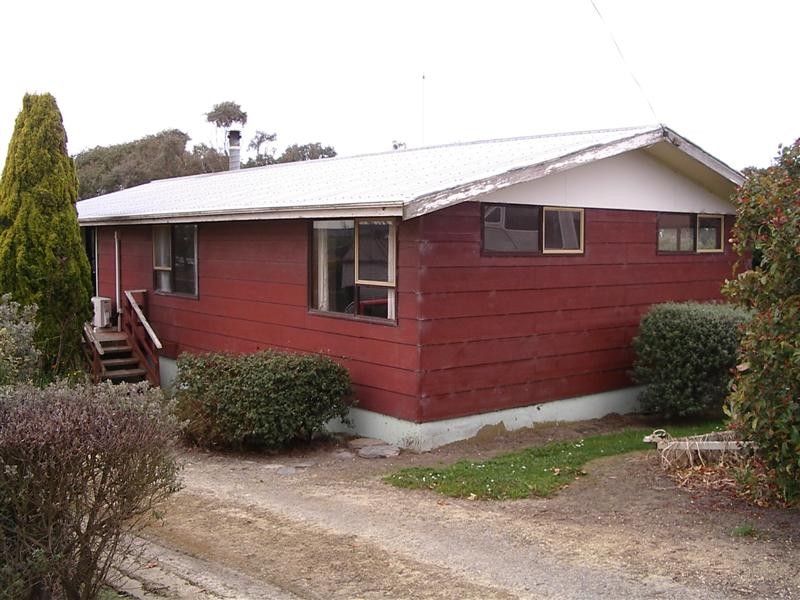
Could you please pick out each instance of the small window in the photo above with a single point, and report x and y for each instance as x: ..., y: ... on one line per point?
x: 710, y: 230
x: 354, y: 265
x: 175, y: 259
x: 676, y: 232
x: 563, y: 230
x: 511, y: 228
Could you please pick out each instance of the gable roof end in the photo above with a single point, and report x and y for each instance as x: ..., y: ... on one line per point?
x: 405, y: 183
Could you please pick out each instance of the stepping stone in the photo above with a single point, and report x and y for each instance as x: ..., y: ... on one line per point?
x: 286, y: 471
x: 383, y: 451
x: 359, y: 443
x: 343, y: 454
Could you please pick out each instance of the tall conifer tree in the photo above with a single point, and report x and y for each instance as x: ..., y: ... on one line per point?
x: 42, y: 260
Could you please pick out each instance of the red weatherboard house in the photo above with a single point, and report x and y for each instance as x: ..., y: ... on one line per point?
x: 461, y: 285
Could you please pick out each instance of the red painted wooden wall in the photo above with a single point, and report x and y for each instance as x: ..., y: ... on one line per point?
x: 474, y: 333
x: 504, y: 331
x: 252, y: 294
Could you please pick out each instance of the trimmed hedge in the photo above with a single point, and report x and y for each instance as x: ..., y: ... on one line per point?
x: 265, y: 399
x: 684, y: 356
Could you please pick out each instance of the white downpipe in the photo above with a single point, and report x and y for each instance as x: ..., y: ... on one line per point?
x: 117, y: 278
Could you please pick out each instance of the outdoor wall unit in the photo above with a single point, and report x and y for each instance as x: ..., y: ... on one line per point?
x: 102, y: 311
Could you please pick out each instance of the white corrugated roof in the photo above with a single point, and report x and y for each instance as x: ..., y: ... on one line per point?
x: 403, y: 183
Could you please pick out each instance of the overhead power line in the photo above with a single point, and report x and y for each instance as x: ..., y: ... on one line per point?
x: 625, y: 62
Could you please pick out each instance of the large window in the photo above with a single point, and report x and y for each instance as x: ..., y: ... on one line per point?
x: 354, y: 264
x: 525, y: 229
x: 175, y: 259
x: 690, y: 233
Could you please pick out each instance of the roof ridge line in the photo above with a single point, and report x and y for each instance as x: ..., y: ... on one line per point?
x: 649, y: 127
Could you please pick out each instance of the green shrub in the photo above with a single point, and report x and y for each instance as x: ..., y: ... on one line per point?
x: 19, y: 358
x: 266, y: 399
x: 684, y: 356
x: 765, y: 398
x: 81, y: 468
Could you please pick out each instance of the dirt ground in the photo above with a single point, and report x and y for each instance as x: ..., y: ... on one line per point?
x: 319, y: 523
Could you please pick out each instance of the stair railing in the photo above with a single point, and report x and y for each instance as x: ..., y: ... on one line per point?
x: 144, y: 341
x: 93, y: 351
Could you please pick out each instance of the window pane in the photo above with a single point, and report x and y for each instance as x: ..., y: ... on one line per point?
x: 161, y: 247
x: 373, y: 250
x: 376, y: 302
x: 164, y: 281
x: 675, y: 232
x: 334, y: 267
x: 184, y: 261
x: 709, y: 233
x: 511, y: 228
x: 562, y: 229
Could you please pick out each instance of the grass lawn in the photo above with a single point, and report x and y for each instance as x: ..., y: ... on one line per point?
x: 536, y: 471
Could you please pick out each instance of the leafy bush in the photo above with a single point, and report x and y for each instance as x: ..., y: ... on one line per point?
x: 684, y: 356
x: 19, y: 358
x: 264, y: 399
x: 80, y: 468
x: 765, y: 401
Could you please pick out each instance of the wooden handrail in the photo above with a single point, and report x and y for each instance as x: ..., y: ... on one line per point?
x: 94, y: 352
x: 142, y: 319
x: 90, y: 337
x: 144, y: 342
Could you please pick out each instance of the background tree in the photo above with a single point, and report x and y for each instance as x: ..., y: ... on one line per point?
x: 225, y: 114
x: 313, y: 151
x: 42, y: 260
x: 106, y: 169
x: 261, y: 138
x: 765, y: 401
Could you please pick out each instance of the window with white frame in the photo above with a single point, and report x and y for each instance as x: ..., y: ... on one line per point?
x: 175, y: 259
x: 353, y: 267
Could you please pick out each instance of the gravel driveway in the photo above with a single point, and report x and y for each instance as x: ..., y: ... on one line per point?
x: 321, y: 524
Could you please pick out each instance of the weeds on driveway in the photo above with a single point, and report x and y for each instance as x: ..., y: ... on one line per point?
x: 538, y: 471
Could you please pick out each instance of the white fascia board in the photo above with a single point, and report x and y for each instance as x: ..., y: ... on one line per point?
x: 383, y: 210
x: 701, y: 156
x: 442, y: 199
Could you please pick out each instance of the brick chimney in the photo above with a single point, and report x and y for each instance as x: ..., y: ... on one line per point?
x: 234, y: 160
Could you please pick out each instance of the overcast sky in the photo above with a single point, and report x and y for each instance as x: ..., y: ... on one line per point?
x: 349, y: 74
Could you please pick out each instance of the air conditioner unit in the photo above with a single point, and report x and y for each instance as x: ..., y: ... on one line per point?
x: 102, y: 311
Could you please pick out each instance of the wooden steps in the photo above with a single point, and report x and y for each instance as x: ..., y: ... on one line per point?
x: 117, y: 360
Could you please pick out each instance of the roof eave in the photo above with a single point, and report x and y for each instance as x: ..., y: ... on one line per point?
x: 701, y: 156
x: 442, y: 199
x: 392, y: 209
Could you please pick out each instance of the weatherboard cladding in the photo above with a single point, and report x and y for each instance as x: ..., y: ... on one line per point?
x: 474, y: 333
x: 404, y: 183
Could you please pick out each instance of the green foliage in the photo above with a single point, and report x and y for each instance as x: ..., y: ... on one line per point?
x: 746, y: 529
x: 765, y: 401
x: 81, y: 468
x: 19, y: 357
x: 537, y: 471
x: 267, y: 398
x: 684, y: 356
x: 42, y: 260
x: 106, y: 169
x: 312, y: 151
x: 226, y: 114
